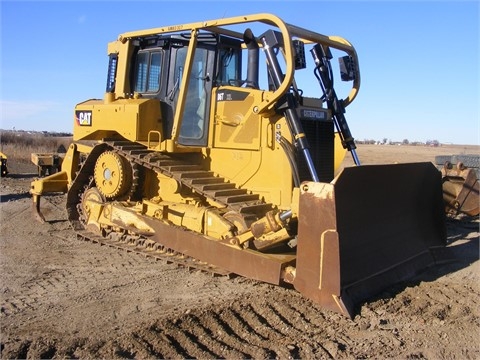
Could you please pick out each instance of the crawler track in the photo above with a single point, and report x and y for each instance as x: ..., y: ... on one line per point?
x: 150, y: 249
x: 190, y: 175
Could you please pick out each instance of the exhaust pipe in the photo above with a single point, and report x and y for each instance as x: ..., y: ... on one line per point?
x: 253, y: 59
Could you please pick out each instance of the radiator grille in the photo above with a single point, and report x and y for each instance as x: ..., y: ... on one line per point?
x: 320, y: 135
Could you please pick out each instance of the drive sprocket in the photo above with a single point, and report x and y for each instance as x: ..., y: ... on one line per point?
x: 113, y: 175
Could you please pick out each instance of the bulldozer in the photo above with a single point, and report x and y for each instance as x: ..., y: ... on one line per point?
x: 3, y: 161
x: 206, y: 150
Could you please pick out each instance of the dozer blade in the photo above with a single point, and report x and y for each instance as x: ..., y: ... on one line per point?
x: 373, y: 226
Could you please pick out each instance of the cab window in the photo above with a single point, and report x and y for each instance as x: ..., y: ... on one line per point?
x: 147, y: 72
x: 229, y: 67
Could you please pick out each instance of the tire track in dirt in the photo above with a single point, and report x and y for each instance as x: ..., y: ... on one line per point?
x: 125, y: 306
x: 73, y: 281
x: 37, y: 291
x: 246, y: 328
x: 278, y: 323
x: 286, y: 326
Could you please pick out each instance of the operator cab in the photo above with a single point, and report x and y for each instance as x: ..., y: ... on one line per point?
x: 158, y: 68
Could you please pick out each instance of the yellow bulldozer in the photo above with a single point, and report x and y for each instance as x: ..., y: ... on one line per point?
x: 206, y: 149
x: 3, y: 162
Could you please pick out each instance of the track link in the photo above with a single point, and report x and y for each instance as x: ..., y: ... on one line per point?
x: 150, y: 249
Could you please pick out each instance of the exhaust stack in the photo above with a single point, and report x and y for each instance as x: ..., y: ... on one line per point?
x: 253, y: 59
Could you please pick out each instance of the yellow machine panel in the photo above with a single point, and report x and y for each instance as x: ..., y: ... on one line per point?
x: 132, y: 119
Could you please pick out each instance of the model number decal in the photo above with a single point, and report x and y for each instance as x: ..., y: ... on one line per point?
x: 83, y: 117
x: 231, y: 95
x: 224, y: 97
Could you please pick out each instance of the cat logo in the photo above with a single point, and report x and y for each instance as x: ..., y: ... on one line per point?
x: 83, y: 117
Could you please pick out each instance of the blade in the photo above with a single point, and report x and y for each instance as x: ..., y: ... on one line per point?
x: 373, y: 226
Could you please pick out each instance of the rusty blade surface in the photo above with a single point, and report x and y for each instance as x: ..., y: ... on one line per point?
x: 373, y: 226
x: 461, y: 191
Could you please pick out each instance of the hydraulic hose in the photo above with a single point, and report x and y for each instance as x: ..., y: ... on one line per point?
x: 269, y: 41
x: 290, y: 152
x: 323, y: 73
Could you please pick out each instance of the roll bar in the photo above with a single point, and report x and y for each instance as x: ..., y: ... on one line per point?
x: 289, y: 32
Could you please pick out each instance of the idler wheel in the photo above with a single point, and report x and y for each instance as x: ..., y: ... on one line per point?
x: 93, y: 195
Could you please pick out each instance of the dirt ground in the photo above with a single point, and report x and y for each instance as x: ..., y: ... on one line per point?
x: 66, y: 298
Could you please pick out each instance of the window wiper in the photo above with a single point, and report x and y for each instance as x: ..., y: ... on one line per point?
x: 173, y: 92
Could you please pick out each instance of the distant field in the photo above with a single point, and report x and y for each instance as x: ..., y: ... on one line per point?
x: 20, y: 146
x: 389, y: 154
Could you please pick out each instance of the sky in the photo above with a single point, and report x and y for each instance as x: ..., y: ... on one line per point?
x: 419, y: 60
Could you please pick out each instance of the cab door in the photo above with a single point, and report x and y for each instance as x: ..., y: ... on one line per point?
x: 195, y: 119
